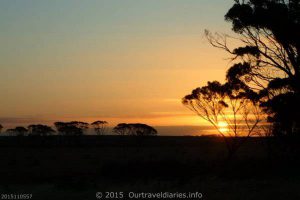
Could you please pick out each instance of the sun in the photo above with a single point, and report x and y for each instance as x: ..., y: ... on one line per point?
x: 223, y: 127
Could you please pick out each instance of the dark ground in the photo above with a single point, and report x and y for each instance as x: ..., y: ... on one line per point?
x: 78, y: 167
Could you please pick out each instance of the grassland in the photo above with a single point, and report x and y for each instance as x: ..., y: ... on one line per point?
x: 75, y: 168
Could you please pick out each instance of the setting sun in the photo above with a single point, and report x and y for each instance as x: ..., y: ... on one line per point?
x: 223, y: 127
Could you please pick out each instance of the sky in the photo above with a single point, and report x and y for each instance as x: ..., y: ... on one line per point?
x: 115, y: 60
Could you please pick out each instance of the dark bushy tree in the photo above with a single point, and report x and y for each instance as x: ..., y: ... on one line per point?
x: 1, y: 127
x: 82, y: 125
x: 268, y: 59
x: 74, y: 128
x: 100, y: 127
x: 40, y: 130
x: 122, y: 129
x: 18, y: 131
x: 134, y: 129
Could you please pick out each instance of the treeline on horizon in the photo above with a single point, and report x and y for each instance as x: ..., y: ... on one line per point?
x: 78, y: 128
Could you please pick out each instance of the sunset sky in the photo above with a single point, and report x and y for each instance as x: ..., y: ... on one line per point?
x: 114, y: 60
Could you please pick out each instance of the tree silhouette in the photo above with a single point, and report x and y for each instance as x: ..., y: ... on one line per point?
x: 18, y: 131
x: 269, y: 58
x: 82, y: 125
x: 134, y: 129
x: 144, y: 130
x: 236, y: 106
x: 100, y: 127
x: 74, y: 128
x: 39, y: 130
x: 122, y: 129
x: 1, y: 127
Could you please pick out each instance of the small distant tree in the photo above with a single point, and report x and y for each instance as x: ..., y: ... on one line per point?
x: 82, y: 125
x: 144, y: 130
x: 39, y: 130
x: 100, y: 127
x: 70, y: 131
x: 18, y: 131
x: 236, y: 106
x: 74, y: 128
x: 1, y: 127
x: 135, y: 129
x: 121, y: 129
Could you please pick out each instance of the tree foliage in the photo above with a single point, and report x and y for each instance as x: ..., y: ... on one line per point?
x: 99, y: 127
x: 18, y: 131
x: 40, y: 130
x: 268, y: 58
x: 134, y: 129
x: 73, y: 128
x: 235, y: 105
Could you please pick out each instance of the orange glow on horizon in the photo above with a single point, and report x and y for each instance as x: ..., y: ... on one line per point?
x: 223, y: 127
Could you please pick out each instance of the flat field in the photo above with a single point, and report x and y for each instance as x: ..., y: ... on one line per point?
x: 78, y: 167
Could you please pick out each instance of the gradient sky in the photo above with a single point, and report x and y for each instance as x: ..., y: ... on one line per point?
x: 116, y: 60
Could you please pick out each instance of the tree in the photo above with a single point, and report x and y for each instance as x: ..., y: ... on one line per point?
x: 100, y: 127
x: 122, y: 129
x: 134, y: 129
x: 74, y: 128
x: 1, y: 127
x: 82, y: 125
x: 268, y: 59
x: 233, y: 110
x: 40, y: 130
x: 144, y: 130
x: 18, y: 131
